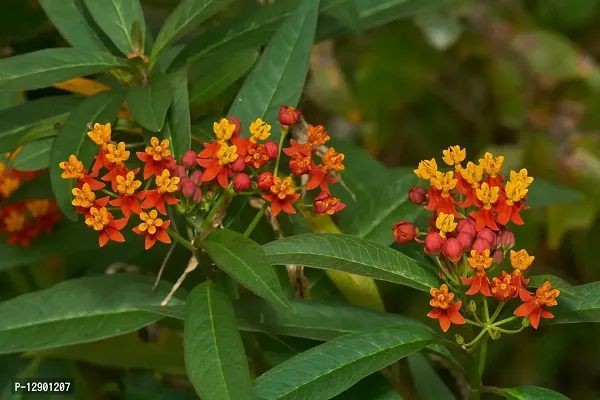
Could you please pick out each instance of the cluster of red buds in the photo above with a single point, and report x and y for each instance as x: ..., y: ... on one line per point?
x: 468, y: 239
x: 23, y: 221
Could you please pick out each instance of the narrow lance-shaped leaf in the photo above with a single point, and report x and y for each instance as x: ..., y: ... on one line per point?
x: 180, y: 125
x: 351, y: 254
x: 327, y: 370
x: 280, y: 73
x: 530, y: 393
x: 187, y: 15
x: 149, y: 105
x: 215, y: 359
x: 34, y: 156
x: 348, y: 15
x: 43, y: 68
x: 117, y: 18
x: 101, y: 108
x: 78, y: 311
x: 246, y: 262
x: 75, y: 24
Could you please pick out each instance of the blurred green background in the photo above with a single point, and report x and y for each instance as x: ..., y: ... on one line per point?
x: 518, y: 78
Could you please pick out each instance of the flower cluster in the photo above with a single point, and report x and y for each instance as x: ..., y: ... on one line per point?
x: 467, y: 236
x: 23, y: 221
x: 127, y: 196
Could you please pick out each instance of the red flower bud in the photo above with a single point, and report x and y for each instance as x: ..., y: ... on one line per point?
x: 178, y: 171
x: 498, y: 256
x: 506, y: 239
x: 239, y: 165
x: 241, y: 182
x: 489, y: 235
x: 196, y: 177
x: 288, y: 115
x: 197, y: 195
x: 480, y: 245
x: 188, y: 187
x: 265, y: 180
x: 238, y: 126
x: 327, y: 204
x: 405, y: 232
x: 465, y: 240
x: 452, y: 249
x: 418, y: 195
x: 188, y: 161
x: 466, y: 225
x: 272, y: 149
x: 434, y: 243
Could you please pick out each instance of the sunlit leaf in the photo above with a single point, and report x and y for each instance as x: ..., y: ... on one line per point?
x: 531, y: 393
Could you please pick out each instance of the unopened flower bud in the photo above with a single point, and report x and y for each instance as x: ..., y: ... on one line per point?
x: 188, y: 188
x: 241, y: 182
x: 480, y: 245
x: 417, y: 195
x: 506, y: 239
x: 452, y: 249
x: 288, y: 115
x: 405, y: 232
x: 265, y: 180
x: 472, y: 306
x: 238, y: 165
x: 197, y: 197
x: 189, y: 159
x: 272, y: 149
x: 178, y: 171
x: 465, y: 240
x: 459, y: 339
x: 525, y: 322
x: 196, y: 177
x: 466, y: 225
x: 495, y: 334
x: 238, y: 126
x: 434, y: 243
x: 497, y: 256
x: 489, y: 235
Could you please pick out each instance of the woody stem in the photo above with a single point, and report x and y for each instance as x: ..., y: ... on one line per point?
x: 284, y: 131
x: 180, y: 240
x: 255, y: 221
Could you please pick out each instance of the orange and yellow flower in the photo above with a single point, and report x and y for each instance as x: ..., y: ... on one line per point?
x: 154, y: 228
x: 537, y: 307
x: 446, y: 311
x: 520, y: 261
x: 282, y: 196
x: 156, y: 157
x: 165, y: 185
x: 128, y: 199
x: 102, y: 221
x: 325, y: 203
x: 217, y: 158
x: 480, y: 283
x: 319, y: 174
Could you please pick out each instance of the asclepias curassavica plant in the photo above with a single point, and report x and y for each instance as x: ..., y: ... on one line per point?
x: 121, y: 170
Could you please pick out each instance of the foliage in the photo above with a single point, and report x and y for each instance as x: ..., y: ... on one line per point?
x: 167, y: 208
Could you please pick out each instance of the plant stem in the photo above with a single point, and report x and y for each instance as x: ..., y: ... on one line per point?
x: 486, y: 310
x: 508, y: 330
x: 256, y: 220
x: 214, y: 210
x: 468, y: 321
x: 504, y: 321
x: 497, y: 312
x: 109, y: 193
x: 284, y: 131
x: 472, y: 342
x: 482, y: 355
x: 180, y: 240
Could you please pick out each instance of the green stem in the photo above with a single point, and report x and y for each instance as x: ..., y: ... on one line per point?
x: 497, y: 312
x: 109, y: 193
x: 482, y: 355
x: 504, y: 321
x: 214, y: 210
x: 256, y: 220
x: 284, y: 131
x: 147, y: 184
x: 468, y: 321
x: 509, y: 330
x: 180, y: 240
x: 486, y: 310
x: 472, y: 342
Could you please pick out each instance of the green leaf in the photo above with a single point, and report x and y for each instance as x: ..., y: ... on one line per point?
x: 374, y: 217
x: 428, y: 384
x: 215, y: 359
x: 327, y: 370
x: 34, y: 156
x: 187, y: 15
x: 117, y: 18
x: 280, y: 73
x: 75, y: 24
x: 353, y: 255
x: 78, y: 311
x: 41, y: 114
x: 246, y: 262
x: 149, y: 105
x: 373, y: 387
x: 43, y: 68
x: 221, y: 76
x: 543, y: 193
x: 576, y: 304
x: 348, y: 15
x: 180, y: 125
x: 100, y: 108
x: 531, y: 393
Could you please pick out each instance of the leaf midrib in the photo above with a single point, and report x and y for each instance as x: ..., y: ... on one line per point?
x: 214, y: 337
x: 59, y: 67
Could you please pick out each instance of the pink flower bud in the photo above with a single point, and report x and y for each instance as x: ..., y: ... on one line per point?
x: 466, y: 225
x: 241, y: 182
x: 498, y: 256
x: 506, y: 239
x: 189, y: 159
x: 465, y: 240
x: 238, y: 126
x: 265, y: 181
x: 288, y: 115
x: 434, y: 243
x: 238, y: 165
x: 187, y: 188
x: 452, y: 249
x: 197, y: 195
x: 179, y: 172
x: 480, y: 245
x: 489, y: 235
x: 196, y: 177
x: 272, y: 149
x: 417, y: 195
x: 405, y: 232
